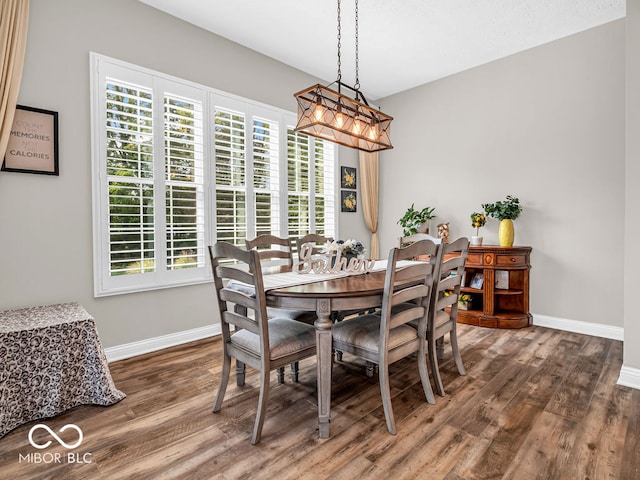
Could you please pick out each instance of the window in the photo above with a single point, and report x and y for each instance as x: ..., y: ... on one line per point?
x: 178, y: 166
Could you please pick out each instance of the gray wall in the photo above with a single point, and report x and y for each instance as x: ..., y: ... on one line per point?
x: 46, y: 240
x: 632, y: 225
x: 545, y: 125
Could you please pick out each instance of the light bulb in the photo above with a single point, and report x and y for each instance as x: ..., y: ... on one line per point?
x: 357, y: 127
x: 318, y: 112
x: 373, y: 134
x: 339, y: 120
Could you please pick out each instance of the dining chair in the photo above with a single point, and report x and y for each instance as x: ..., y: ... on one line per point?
x: 443, y: 317
x: 275, y: 252
x: 386, y: 337
x: 272, y: 256
x: 316, y: 240
x: 262, y: 343
x: 408, y: 240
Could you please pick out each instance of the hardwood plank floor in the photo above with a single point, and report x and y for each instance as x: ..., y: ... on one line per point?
x: 536, y: 404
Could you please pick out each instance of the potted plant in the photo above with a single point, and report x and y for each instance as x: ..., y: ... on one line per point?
x: 414, y: 221
x: 478, y: 220
x: 506, y: 211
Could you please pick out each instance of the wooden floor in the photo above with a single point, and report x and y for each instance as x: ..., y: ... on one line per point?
x: 536, y: 404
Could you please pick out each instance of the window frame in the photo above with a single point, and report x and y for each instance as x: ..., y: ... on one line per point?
x: 102, y: 67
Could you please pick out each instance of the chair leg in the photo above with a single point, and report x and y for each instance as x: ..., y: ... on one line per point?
x: 385, y: 391
x: 224, y: 380
x: 456, y: 352
x: 262, y: 406
x: 440, y: 348
x: 433, y: 362
x: 294, y: 372
x: 240, y: 370
x: 424, y: 375
x: 280, y: 374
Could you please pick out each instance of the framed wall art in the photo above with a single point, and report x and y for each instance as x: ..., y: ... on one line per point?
x: 349, y: 201
x: 348, y: 177
x: 33, y: 143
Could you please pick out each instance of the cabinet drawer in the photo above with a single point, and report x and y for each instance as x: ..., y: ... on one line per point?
x: 511, y: 260
x: 474, y: 259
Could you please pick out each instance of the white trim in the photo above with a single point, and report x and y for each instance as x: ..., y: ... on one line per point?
x: 578, y: 326
x: 629, y: 377
x: 120, y: 352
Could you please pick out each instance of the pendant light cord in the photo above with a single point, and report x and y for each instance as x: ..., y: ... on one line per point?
x: 339, y: 38
x: 357, y: 84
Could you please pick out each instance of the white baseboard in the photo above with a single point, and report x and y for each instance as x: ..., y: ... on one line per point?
x: 629, y: 377
x: 578, y: 326
x: 128, y: 350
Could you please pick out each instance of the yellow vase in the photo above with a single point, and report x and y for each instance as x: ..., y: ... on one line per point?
x: 505, y: 233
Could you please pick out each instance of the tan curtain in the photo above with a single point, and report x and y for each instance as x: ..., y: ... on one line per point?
x: 369, y: 191
x: 14, y: 19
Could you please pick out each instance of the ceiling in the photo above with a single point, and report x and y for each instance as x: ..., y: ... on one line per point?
x: 402, y: 43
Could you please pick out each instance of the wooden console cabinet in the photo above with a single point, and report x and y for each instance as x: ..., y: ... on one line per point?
x: 497, y: 307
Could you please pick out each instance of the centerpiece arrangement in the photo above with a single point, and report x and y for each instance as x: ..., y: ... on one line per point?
x: 350, y: 248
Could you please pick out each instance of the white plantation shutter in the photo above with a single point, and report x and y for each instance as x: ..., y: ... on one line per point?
x: 130, y: 175
x: 149, y: 208
x: 325, y: 188
x: 266, y: 176
x: 231, y: 176
x: 178, y: 166
x: 298, y: 182
x: 311, y: 178
x: 184, y: 183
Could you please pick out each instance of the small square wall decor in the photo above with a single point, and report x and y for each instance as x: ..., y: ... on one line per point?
x: 349, y: 201
x: 348, y: 177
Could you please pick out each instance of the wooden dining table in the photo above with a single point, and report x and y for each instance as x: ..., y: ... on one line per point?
x: 354, y: 292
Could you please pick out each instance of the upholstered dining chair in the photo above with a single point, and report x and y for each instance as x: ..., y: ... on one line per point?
x: 443, y: 317
x: 260, y: 343
x: 272, y: 249
x: 274, y: 252
x: 386, y: 337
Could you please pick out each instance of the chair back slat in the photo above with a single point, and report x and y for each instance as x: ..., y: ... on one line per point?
x: 409, y: 293
x: 406, y: 316
x: 272, y: 250
x: 411, y: 239
x: 241, y: 321
x: 317, y: 242
x: 239, y: 298
x: 234, y: 273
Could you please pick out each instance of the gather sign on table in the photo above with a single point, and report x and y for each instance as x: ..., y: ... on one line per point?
x: 330, y: 262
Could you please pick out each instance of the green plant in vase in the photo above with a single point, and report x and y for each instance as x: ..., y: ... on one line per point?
x: 506, y: 211
x: 413, y: 220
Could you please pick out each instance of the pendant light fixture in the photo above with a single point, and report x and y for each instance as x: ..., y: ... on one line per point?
x: 331, y: 115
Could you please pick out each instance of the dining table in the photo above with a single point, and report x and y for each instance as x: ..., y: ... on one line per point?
x: 326, y: 296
